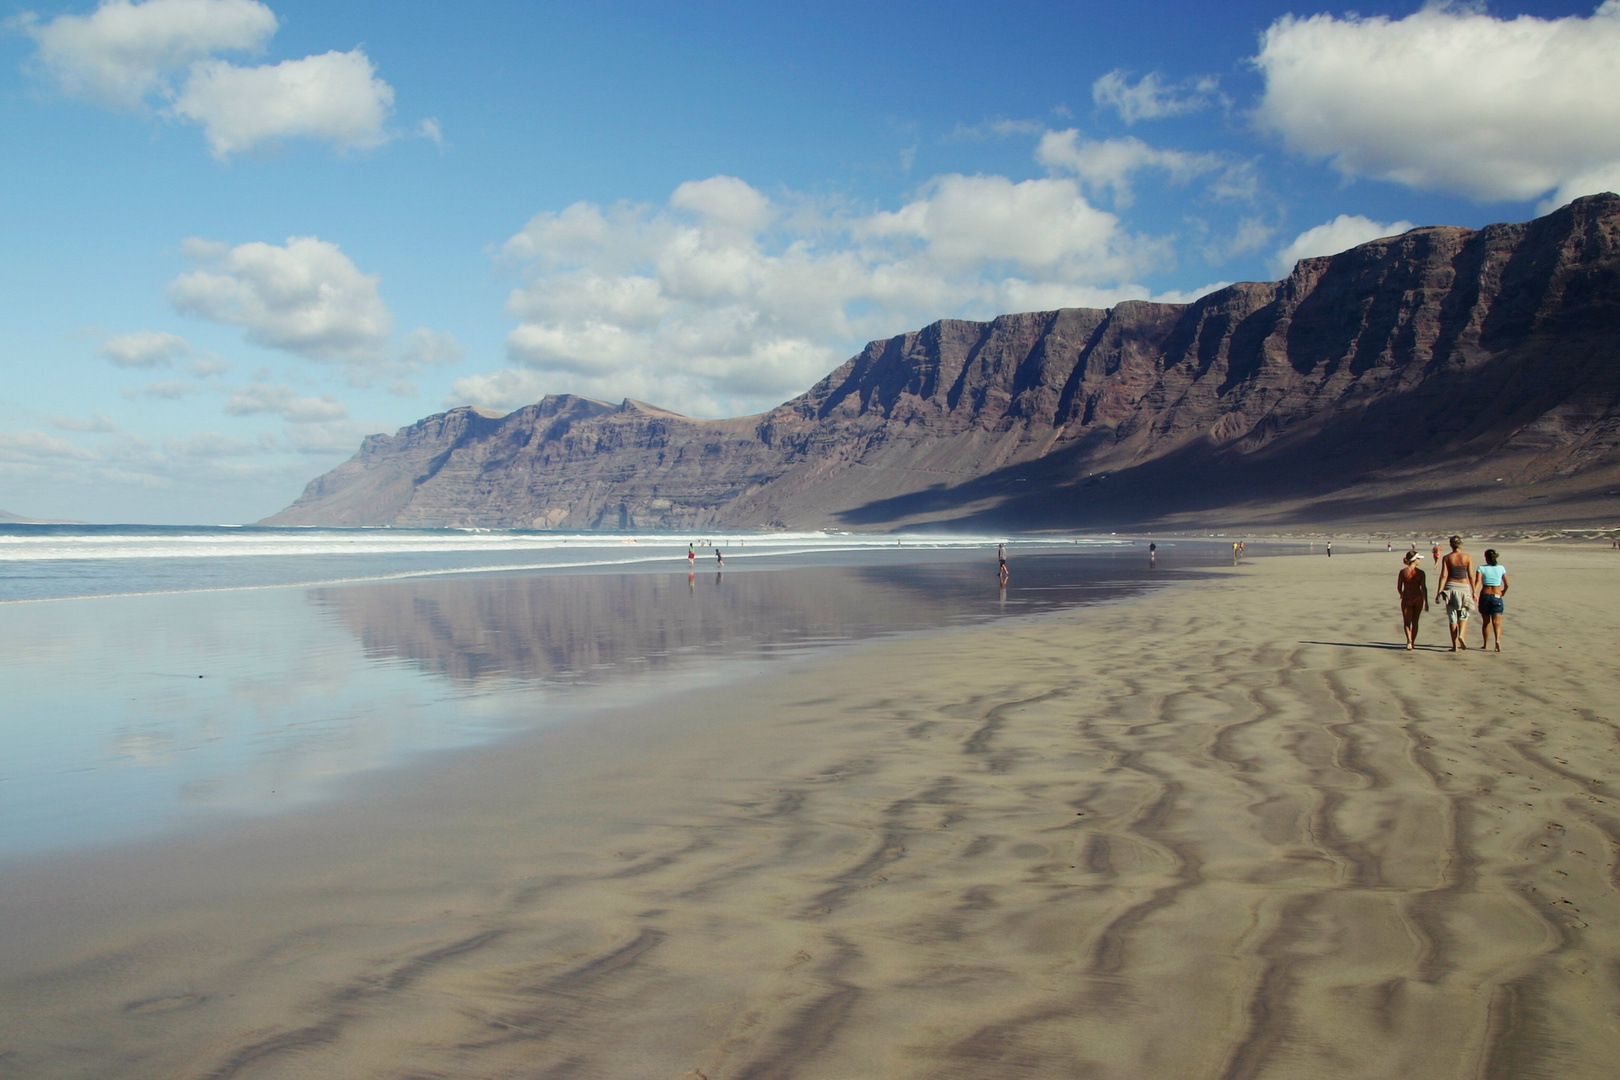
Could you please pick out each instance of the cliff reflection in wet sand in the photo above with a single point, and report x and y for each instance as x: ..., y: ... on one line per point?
x: 571, y: 629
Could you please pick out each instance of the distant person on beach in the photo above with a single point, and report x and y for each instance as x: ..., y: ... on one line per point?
x: 1457, y: 584
x: 1001, y: 559
x: 1436, y: 552
x: 1389, y: 545
x: 691, y: 555
x: 1493, y: 587
x: 719, y: 558
x: 1412, y: 585
x: 1330, y: 549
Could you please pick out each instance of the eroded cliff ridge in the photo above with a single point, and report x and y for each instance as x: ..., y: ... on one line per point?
x: 1448, y: 373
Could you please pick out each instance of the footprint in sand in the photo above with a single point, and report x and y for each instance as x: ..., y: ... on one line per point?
x: 157, y: 1005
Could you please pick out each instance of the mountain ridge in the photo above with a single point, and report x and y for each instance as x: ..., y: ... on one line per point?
x: 1398, y: 379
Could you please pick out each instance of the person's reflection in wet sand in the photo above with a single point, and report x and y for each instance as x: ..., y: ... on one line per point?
x: 691, y: 582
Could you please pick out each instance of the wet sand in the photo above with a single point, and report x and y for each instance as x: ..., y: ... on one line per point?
x: 1232, y: 830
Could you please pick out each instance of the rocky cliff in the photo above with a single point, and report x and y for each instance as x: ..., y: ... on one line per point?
x: 1447, y: 374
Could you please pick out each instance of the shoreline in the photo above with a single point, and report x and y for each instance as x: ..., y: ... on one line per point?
x: 623, y: 698
x: 1230, y: 828
x: 417, y: 668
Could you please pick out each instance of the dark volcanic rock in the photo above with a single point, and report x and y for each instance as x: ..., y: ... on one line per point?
x: 1447, y: 373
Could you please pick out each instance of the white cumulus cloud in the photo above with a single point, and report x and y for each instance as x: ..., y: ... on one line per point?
x: 305, y: 297
x: 505, y: 389
x: 1452, y: 99
x: 1108, y: 164
x: 1330, y: 238
x: 284, y: 401
x: 1150, y: 98
x: 1032, y: 223
x: 429, y: 128
x: 166, y: 54
x: 726, y: 300
x: 21, y: 446
x: 144, y: 349
x: 335, y: 97
x: 122, y: 53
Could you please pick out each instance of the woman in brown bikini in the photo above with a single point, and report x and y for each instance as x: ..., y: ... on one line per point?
x: 1412, y: 585
x: 1457, y: 587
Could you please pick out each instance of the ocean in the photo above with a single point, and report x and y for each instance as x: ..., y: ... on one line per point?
x: 165, y: 678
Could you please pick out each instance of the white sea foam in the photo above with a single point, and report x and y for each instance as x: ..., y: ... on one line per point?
x: 40, y: 547
x: 61, y: 562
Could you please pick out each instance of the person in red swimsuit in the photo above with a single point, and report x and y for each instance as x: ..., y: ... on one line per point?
x: 1412, y: 586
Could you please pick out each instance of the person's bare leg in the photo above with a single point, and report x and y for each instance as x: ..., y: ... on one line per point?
x: 1496, y: 623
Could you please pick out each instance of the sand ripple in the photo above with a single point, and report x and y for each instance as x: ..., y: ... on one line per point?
x: 1222, y: 833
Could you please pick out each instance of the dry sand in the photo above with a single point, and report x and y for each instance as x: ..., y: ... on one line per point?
x: 1228, y: 831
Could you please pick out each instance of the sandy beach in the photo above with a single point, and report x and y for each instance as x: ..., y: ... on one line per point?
x: 1232, y: 830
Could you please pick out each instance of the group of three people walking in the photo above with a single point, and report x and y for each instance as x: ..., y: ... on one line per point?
x: 1463, y: 586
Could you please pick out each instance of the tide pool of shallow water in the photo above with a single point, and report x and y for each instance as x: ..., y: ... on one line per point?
x: 130, y: 715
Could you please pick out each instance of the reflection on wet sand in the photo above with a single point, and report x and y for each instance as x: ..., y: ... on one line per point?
x: 584, y: 629
x: 175, y: 709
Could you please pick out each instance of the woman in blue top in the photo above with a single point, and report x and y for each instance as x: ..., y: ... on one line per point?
x: 1493, y: 587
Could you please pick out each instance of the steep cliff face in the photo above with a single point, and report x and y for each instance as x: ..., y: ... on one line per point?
x: 1462, y: 371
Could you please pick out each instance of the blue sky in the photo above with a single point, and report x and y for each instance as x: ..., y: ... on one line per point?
x: 238, y: 236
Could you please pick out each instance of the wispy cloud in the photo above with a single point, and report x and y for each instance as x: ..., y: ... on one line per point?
x: 1151, y: 98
